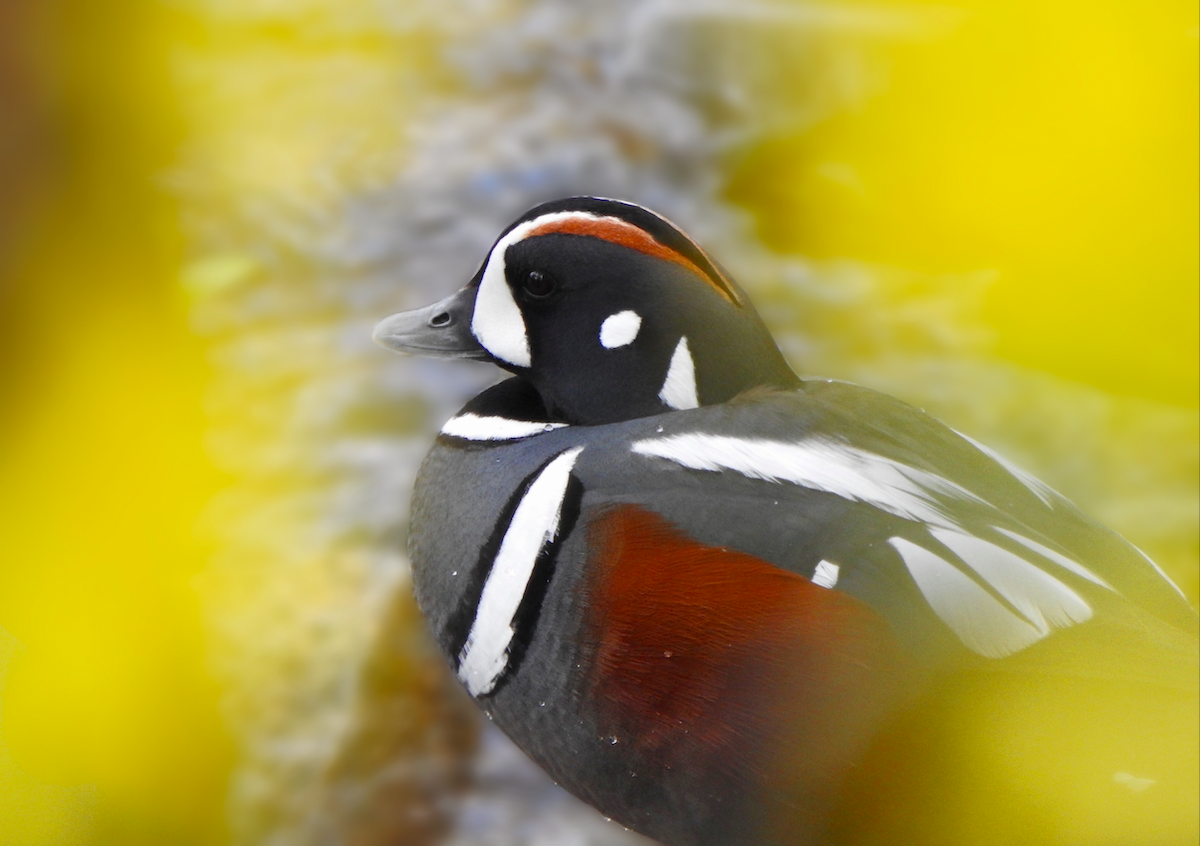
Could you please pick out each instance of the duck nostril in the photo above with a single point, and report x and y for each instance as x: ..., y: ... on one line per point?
x: 440, y: 320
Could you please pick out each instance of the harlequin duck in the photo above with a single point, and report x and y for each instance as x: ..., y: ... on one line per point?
x: 725, y: 605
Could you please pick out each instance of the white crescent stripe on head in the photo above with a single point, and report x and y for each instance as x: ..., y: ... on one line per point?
x: 534, y: 524
x: 679, y: 388
x: 473, y: 427
x: 619, y: 329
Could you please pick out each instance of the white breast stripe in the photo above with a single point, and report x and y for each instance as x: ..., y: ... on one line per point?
x: 1058, y: 558
x: 983, y: 625
x: 620, y: 329
x: 472, y: 427
x: 826, y: 574
x: 534, y: 524
x: 1040, y: 489
x: 1044, y: 600
x: 679, y: 388
x: 820, y: 464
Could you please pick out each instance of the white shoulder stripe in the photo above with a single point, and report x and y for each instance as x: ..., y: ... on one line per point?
x: 679, y: 388
x: 820, y: 464
x: 1044, y: 600
x: 473, y: 427
x: 534, y: 524
x: 983, y: 625
x: 1057, y: 557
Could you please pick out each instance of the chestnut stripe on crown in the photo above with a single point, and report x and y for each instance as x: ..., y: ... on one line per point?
x: 619, y: 232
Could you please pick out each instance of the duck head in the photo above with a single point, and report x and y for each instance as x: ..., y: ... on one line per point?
x: 608, y: 310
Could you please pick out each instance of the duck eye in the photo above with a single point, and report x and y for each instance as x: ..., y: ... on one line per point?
x: 539, y: 285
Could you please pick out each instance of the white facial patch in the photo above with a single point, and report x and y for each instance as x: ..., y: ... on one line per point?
x: 484, y: 656
x: 619, y: 330
x: 679, y: 388
x: 497, y: 322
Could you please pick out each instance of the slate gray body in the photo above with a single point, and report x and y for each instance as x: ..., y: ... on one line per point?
x: 464, y: 488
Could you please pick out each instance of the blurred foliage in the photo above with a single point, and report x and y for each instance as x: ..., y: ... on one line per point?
x: 110, y: 728
x: 1055, y: 143
x: 1032, y: 164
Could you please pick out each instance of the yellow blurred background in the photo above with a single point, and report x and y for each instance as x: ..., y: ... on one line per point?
x: 1054, y: 142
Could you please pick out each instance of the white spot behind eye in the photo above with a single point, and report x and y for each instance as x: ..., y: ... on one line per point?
x: 619, y: 329
x: 679, y: 388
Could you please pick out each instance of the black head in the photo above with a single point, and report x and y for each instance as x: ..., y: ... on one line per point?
x: 609, y: 311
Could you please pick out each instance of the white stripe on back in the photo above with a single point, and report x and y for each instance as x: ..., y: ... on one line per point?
x: 1057, y: 557
x: 1039, y: 488
x: 534, y: 524
x: 1044, y: 600
x: 1163, y: 573
x: 473, y: 427
x: 818, y: 463
x: 981, y: 623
